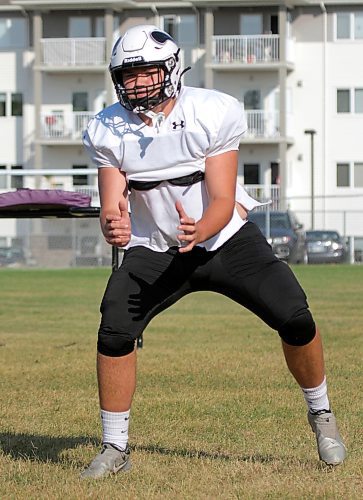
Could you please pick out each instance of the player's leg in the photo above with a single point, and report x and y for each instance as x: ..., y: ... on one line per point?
x: 306, y: 362
x: 250, y: 274
x: 307, y: 366
x: 146, y: 283
x: 116, y: 397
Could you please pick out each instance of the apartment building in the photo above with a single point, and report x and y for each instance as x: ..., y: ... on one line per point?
x: 293, y: 63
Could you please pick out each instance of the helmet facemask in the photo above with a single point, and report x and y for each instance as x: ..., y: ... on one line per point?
x: 142, y: 98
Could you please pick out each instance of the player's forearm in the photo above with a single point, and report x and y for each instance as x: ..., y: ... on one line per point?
x: 215, y: 218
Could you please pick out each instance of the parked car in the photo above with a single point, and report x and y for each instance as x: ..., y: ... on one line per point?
x: 11, y: 256
x: 325, y: 247
x: 284, y: 233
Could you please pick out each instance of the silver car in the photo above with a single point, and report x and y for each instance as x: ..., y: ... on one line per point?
x: 325, y: 246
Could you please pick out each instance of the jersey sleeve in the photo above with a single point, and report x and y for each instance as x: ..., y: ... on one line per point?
x: 232, y: 128
x: 101, y: 155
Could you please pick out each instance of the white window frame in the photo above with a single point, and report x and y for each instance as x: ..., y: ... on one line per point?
x: 344, y: 162
x: 8, y: 103
x: 351, y: 28
x: 351, y: 164
x: 19, y: 42
x: 351, y: 101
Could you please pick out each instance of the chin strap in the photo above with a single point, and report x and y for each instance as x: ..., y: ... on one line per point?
x: 157, y: 118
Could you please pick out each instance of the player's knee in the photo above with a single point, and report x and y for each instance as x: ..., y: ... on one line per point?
x: 115, y: 344
x: 299, y: 330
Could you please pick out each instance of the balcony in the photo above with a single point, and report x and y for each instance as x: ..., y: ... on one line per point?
x: 263, y: 193
x: 60, y: 54
x: 239, y: 51
x: 262, y: 123
x: 64, y: 127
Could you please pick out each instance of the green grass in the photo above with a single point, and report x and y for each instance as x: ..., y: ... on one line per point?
x: 216, y: 413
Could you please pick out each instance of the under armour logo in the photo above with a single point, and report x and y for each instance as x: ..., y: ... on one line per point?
x: 176, y: 125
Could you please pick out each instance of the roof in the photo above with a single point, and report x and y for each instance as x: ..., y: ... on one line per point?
x: 121, y: 4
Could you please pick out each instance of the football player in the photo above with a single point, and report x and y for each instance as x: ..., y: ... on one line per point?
x: 167, y: 156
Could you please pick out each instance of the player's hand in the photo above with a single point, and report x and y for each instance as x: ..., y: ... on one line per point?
x: 189, y: 236
x: 117, y: 228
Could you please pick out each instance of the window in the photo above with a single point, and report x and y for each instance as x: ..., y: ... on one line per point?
x: 11, y: 104
x: 99, y: 27
x: 358, y: 26
x: 274, y: 25
x: 252, y: 99
x: 80, y: 101
x: 343, y: 174
x: 350, y: 100
x: 358, y: 100
x: 80, y: 27
x: 2, y: 104
x: 358, y: 175
x: 13, y: 32
x: 183, y: 28
x: 17, y: 180
x: 343, y: 25
x: 343, y: 101
x: 275, y: 175
x: 82, y: 179
x: 251, y: 24
x: 349, y: 26
x: 3, y: 183
x: 251, y: 173
x: 187, y: 30
x: 17, y: 104
x: 170, y: 26
x: 350, y: 174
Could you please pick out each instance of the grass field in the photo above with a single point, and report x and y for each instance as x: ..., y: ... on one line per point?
x: 216, y: 414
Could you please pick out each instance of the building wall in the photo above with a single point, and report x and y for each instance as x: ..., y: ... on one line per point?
x: 320, y: 68
x: 263, y: 155
x: 15, y: 132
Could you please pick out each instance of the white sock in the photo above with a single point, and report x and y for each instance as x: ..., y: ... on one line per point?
x: 115, y: 428
x: 317, y: 397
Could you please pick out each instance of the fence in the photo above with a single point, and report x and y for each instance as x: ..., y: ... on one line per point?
x: 60, y: 243
x: 65, y: 243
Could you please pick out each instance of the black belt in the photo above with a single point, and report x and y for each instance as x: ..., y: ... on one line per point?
x: 186, y: 180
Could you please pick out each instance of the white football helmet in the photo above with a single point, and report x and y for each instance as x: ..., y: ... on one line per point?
x: 146, y: 45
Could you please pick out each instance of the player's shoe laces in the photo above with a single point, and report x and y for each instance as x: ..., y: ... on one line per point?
x: 331, y: 448
x: 109, y: 461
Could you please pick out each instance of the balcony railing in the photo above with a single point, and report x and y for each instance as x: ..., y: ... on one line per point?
x: 262, y: 124
x: 263, y: 192
x: 246, y: 49
x: 63, y: 125
x: 73, y: 51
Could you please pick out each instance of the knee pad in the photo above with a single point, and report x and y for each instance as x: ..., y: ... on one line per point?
x: 115, y: 344
x: 299, y: 330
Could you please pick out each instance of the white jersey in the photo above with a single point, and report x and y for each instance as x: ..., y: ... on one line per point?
x: 203, y: 123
